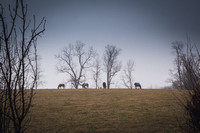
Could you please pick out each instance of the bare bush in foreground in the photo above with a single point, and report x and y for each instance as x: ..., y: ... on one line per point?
x: 18, y: 65
x: 187, y: 77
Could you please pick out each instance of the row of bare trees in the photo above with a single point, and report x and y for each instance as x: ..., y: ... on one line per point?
x: 19, y: 72
x: 76, y: 60
x: 185, y: 77
x: 18, y: 65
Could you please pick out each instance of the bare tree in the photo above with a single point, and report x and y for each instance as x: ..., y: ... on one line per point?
x: 127, y: 77
x: 96, y: 71
x: 111, y: 63
x: 37, y: 59
x: 18, y: 65
x: 187, y: 76
x: 74, y: 60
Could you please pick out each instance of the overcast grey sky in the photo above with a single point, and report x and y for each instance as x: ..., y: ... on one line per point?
x: 143, y: 29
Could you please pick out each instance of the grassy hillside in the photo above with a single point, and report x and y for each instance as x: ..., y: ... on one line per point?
x: 99, y: 110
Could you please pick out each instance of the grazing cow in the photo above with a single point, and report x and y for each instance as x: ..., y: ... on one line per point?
x: 137, y: 85
x: 84, y: 85
x: 104, y: 85
x: 61, y: 86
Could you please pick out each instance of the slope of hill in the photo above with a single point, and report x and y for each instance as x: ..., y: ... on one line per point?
x: 99, y: 110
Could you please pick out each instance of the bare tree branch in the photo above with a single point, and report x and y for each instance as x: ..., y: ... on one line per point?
x: 96, y: 71
x: 187, y: 76
x: 127, y: 77
x: 18, y: 66
x: 112, y: 66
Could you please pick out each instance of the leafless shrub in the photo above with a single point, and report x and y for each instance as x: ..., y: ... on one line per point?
x: 187, y: 77
x: 18, y: 65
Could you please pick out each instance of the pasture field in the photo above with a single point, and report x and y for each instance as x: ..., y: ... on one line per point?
x: 101, y: 110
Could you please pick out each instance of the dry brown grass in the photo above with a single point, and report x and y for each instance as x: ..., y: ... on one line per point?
x: 63, y: 111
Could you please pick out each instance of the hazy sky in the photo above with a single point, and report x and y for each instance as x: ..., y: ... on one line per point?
x: 143, y: 29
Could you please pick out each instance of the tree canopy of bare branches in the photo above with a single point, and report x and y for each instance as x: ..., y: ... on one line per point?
x: 187, y: 76
x: 96, y: 71
x: 18, y: 65
x: 111, y: 63
x: 74, y: 60
x: 127, y: 77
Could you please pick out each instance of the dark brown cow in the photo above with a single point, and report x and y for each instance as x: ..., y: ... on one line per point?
x: 137, y: 85
x: 61, y: 86
x: 104, y: 85
x: 84, y: 85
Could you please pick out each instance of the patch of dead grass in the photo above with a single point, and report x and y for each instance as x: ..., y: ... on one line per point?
x: 104, y: 111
